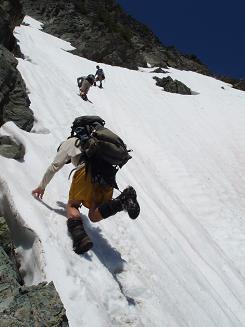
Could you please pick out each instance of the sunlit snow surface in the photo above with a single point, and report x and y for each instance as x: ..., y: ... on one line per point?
x: 182, y: 262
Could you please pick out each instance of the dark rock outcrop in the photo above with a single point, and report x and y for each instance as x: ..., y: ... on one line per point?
x: 14, y: 102
x: 239, y: 84
x: 173, y: 86
x: 159, y: 70
x: 101, y: 31
x: 10, y: 149
x: 25, y: 306
x: 11, y: 15
x: 236, y: 83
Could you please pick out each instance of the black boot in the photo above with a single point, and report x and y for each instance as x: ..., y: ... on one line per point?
x: 128, y: 198
x: 81, y: 241
x: 127, y: 201
x: 84, y: 97
x: 110, y: 208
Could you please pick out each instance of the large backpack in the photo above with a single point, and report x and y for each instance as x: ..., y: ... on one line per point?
x: 90, y: 78
x: 100, y: 142
x: 104, y: 151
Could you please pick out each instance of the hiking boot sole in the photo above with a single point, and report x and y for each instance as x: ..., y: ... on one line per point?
x: 133, y: 208
x: 131, y: 204
x: 83, y: 246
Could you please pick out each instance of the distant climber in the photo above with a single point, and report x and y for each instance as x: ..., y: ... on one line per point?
x: 84, y: 84
x: 99, y: 76
x: 97, y: 162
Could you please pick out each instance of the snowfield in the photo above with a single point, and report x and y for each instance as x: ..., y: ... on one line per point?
x: 182, y: 262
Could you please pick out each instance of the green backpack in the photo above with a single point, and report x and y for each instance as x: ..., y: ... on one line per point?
x: 103, y: 151
x: 99, y: 142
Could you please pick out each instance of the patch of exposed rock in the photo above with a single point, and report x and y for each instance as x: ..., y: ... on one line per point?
x: 173, y: 86
x: 25, y: 306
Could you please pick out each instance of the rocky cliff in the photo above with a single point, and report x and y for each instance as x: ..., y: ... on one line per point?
x: 101, y: 31
x: 14, y: 102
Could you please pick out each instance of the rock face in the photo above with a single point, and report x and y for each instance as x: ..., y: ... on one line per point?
x: 14, y: 102
x: 101, y: 31
x: 173, y: 86
x: 25, y: 306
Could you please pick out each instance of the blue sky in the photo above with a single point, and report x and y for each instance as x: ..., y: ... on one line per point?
x: 212, y: 30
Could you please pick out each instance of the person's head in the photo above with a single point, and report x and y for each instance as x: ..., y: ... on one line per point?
x: 97, y: 66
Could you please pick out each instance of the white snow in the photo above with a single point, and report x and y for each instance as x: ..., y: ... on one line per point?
x: 182, y: 262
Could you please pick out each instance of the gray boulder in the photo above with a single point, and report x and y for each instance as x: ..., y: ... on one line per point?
x: 173, y: 86
x: 11, y: 149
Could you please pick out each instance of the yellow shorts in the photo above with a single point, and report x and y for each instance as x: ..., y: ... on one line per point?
x: 85, y: 192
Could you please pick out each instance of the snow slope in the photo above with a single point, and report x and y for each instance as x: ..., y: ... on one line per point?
x: 181, y: 263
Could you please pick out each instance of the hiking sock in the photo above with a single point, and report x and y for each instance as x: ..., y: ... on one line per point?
x: 81, y: 241
x: 110, y: 208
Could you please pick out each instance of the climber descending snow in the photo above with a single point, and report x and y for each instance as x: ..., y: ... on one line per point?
x: 84, y: 84
x: 97, y: 153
